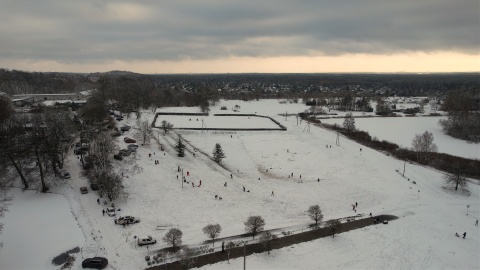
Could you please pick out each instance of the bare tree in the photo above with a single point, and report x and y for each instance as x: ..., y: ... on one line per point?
x: 166, y: 126
x: 6, y: 108
x: 37, y: 138
x: 456, y: 179
x: 4, y: 197
x: 229, y: 248
x: 349, y: 122
x: 334, y: 225
x: 315, y: 213
x: 145, y: 131
x: 15, y: 147
x: 110, y: 184
x: 424, y: 146
x: 267, y: 239
x: 254, y: 224
x: 187, y: 257
x: 173, y: 238
x: 212, y: 231
x: 101, y: 150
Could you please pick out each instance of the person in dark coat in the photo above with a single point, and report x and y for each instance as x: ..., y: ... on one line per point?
x: 464, y: 234
x: 98, y: 200
x: 103, y: 212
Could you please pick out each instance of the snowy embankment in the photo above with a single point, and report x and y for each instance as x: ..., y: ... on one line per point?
x: 423, y: 236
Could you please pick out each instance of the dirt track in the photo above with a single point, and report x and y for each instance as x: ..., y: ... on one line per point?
x: 276, y: 244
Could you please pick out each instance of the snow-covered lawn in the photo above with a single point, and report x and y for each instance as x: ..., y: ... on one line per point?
x: 422, y: 238
x: 37, y: 228
x: 402, y: 130
x: 211, y: 121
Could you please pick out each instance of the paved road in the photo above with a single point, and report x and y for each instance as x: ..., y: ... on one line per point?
x: 276, y: 244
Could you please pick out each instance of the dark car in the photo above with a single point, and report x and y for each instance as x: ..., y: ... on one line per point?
x: 126, y: 220
x: 83, y: 190
x: 129, y: 140
x: 117, y: 157
x: 94, y: 186
x: 125, y: 128
x: 95, y: 262
x: 124, y: 152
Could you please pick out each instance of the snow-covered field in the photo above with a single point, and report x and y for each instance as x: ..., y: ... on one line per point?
x: 402, y: 130
x: 422, y: 238
x: 211, y: 121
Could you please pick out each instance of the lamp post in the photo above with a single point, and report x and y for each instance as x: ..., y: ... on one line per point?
x: 244, y: 256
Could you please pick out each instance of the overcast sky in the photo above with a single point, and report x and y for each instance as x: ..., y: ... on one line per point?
x: 204, y: 36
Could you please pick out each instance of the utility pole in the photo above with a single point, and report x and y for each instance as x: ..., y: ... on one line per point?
x: 244, y: 256
x: 286, y: 115
x: 297, y: 120
x: 404, y: 168
x: 338, y: 139
x: 182, y: 177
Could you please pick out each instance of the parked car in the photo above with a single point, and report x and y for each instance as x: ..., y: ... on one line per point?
x: 132, y: 146
x: 117, y: 157
x: 126, y: 220
x: 95, y: 262
x: 147, y: 240
x: 129, y: 140
x: 125, y: 128
x: 110, y: 211
x: 66, y: 175
x: 79, y: 151
x: 124, y: 152
x: 83, y: 190
x: 94, y: 186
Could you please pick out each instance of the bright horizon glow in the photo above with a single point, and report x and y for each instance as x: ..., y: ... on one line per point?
x: 439, y: 62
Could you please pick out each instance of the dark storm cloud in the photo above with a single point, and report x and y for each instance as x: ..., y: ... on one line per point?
x: 97, y: 31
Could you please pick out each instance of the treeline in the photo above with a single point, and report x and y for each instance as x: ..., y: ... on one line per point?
x: 241, y: 86
x: 444, y: 162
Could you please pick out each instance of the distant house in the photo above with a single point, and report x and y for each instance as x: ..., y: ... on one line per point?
x: 223, y: 108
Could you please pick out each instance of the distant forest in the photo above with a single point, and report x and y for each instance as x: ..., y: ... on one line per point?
x: 243, y: 86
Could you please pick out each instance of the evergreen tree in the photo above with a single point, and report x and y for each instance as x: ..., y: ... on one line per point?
x: 218, y: 153
x: 180, y: 147
x: 349, y: 122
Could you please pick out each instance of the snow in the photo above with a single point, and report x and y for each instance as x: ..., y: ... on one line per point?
x: 194, y: 121
x: 402, y: 130
x: 422, y: 238
x: 37, y: 228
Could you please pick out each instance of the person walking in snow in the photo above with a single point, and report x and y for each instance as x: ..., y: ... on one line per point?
x: 231, y: 176
x: 103, y: 212
x: 200, y: 183
x: 356, y: 204
x: 193, y: 185
x: 476, y: 223
x: 243, y: 189
x: 98, y: 200
x: 188, y: 173
x: 273, y: 193
x: 464, y: 234
x: 225, y: 184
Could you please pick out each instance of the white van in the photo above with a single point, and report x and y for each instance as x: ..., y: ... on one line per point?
x: 147, y: 240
